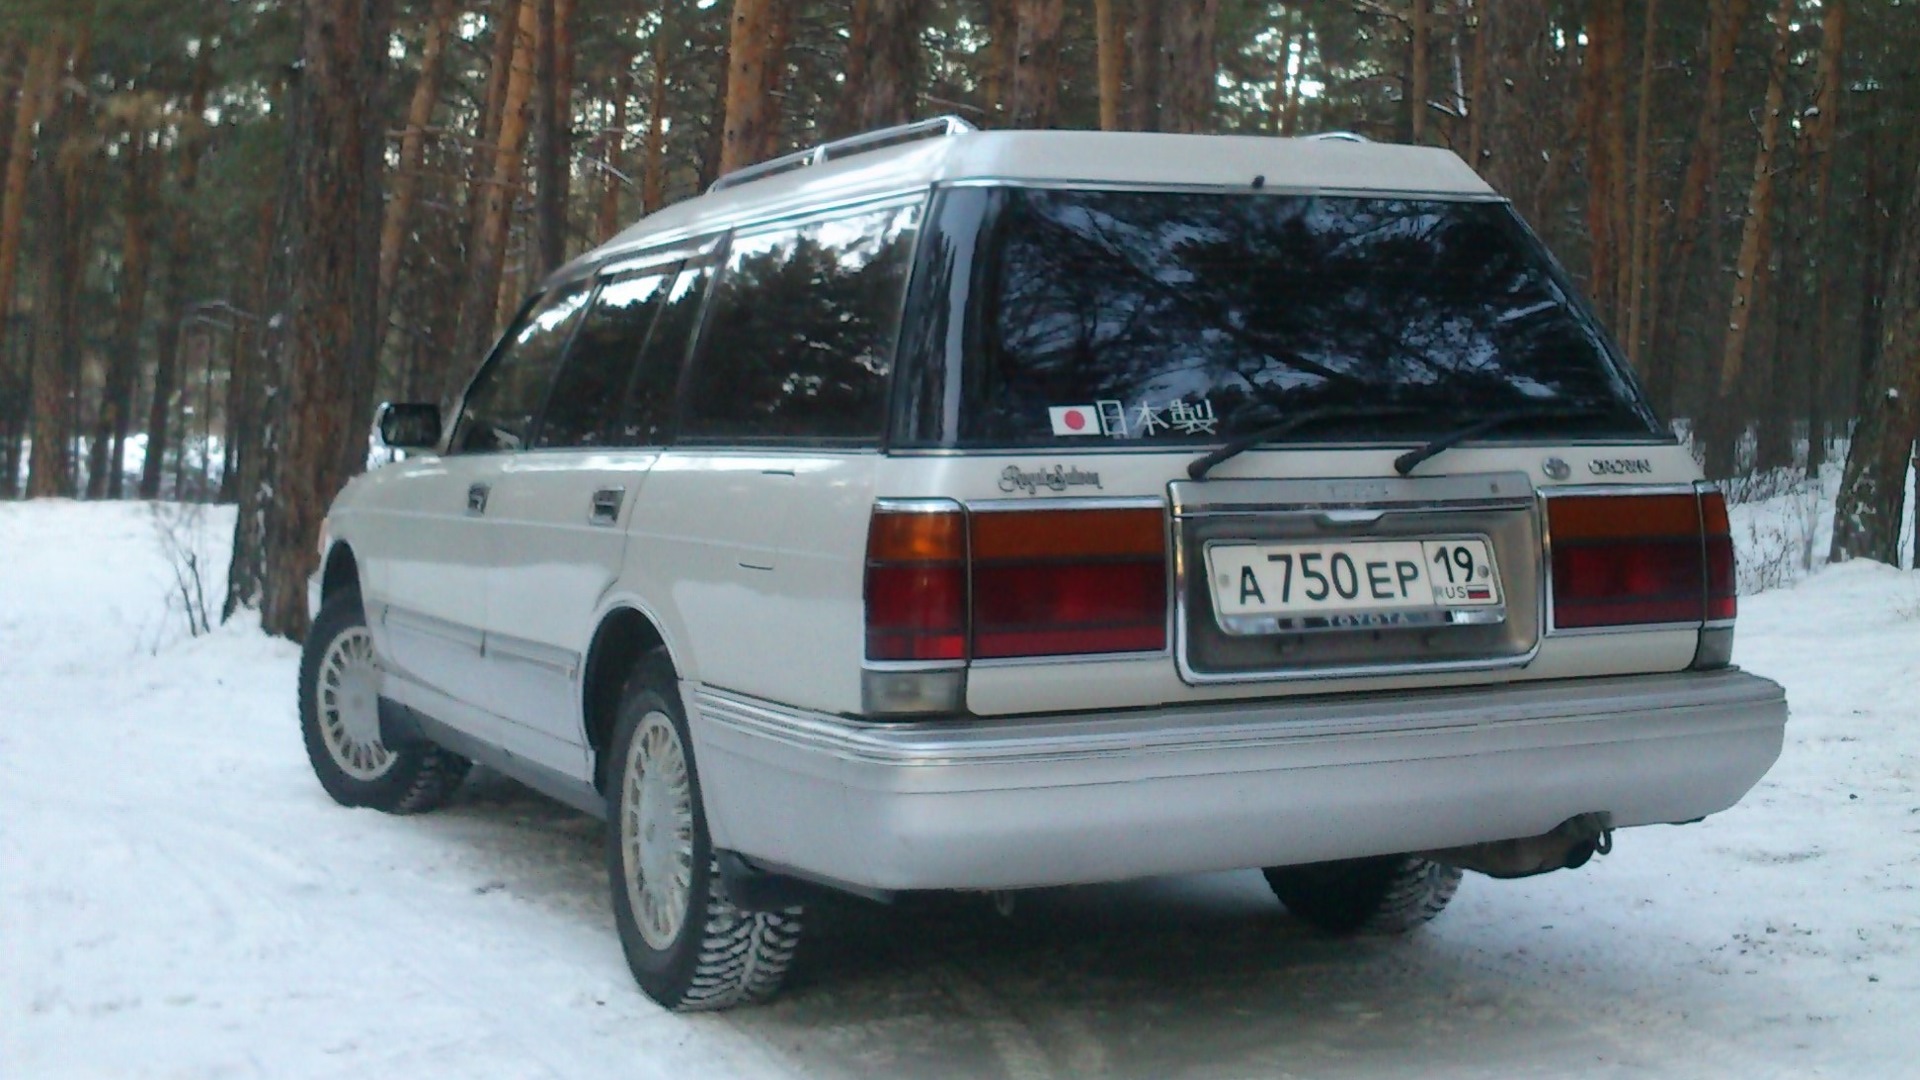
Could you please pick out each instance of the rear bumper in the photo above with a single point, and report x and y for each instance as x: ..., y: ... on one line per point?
x: 1016, y: 802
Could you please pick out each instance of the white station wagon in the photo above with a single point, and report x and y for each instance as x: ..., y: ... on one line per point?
x: 942, y: 509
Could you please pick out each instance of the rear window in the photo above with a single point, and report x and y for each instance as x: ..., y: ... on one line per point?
x: 1192, y: 318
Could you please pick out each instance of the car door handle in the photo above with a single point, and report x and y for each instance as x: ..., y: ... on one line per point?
x: 605, y: 507
x: 477, y: 498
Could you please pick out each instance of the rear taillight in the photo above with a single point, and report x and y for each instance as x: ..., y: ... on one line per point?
x: 1717, y: 535
x: 945, y: 585
x: 916, y: 583
x: 1638, y: 560
x: 1068, y: 582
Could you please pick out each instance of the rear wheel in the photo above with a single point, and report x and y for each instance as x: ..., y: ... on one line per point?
x: 340, y: 722
x: 689, y: 947
x: 1391, y: 894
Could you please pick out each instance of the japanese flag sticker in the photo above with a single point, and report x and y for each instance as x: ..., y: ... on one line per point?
x: 1075, y: 420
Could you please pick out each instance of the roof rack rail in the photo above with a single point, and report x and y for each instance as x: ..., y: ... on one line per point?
x: 937, y: 127
x: 1339, y: 136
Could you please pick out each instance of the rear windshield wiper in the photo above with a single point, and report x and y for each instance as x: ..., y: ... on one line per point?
x: 1409, y: 461
x: 1235, y: 447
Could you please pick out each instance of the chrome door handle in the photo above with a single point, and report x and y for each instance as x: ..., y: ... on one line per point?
x: 605, y: 507
x: 477, y: 498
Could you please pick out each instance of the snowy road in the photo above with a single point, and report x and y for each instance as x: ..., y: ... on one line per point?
x: 178, y: 898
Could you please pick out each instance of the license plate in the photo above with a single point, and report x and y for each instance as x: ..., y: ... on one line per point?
x: 1354, y: 584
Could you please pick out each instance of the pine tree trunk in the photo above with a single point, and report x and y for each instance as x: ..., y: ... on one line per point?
x: 1727, y: 419
x: 1644, y: 204
x: 16, y: 360
x: 1703, y: 166
x: 1819, y: 388
x: 755, y: 68
x: 56, y: 377
x: 853, y: 90
x: 653, y: 184
x: 506, y: 43
x: 328, y: 356
x: 1479, y: 100
x: 1107, y: 41
x: 405, y: 185
x: 1598, y: 109
x: 1003, y: 31
x: 106, y: 475
x: 172, y: 304
x: 264, y: 403
x: 553, y: 129
x: 892, y: 78
x: 1419, y: 34
x: 1035, y: 97
x: 1192, y: 68
x: 1774, y: 297
x: 613, y: 151
x: 1149, y: 64
x: 1619, y: 210
x: 1867, y: 514
x: 486, y: 253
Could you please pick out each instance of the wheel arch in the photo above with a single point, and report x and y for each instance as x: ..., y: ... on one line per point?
x: 342, y: 571
x: 624, y: 635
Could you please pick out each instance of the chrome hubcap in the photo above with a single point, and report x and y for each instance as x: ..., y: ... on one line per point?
x: 656, y: 831
x: 349, y: 706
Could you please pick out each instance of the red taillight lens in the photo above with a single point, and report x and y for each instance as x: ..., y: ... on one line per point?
x: 1628, y: 560
x: 916, y: 583
x: 1068, y: 582
x: 941, y: 585
x: 1717, y: 533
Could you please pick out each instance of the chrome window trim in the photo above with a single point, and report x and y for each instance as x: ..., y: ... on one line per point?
x: 1067, y: 502
x: 712, y: 229
x: 1225, y: 187
x: 900, y: 199
x: 1133, y: 446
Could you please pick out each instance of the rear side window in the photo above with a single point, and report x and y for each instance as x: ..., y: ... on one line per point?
x: 648, y: 417
x: 500, y: 406
x: 592, y: 384
x: 1170, y: 317
x: 801, y: 337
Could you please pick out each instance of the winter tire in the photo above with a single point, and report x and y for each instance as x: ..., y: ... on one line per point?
x: 1390, y: 894
x: 340, y: 721
x: 689, y: 947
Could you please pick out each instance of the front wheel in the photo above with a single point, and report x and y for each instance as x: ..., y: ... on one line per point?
x: 1390, y: 894
x: 340, y: 722
x: 689, y: 947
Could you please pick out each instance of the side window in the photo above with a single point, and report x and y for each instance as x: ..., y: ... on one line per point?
x: 500, y: 406
x: 801, y: 339
x: 587, y: 393
x: 650, y: 401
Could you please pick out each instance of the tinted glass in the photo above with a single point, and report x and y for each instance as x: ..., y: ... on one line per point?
x: 649, y: 414
x: 504, y: 398
x: 801, y: 339
x: 593, y: 382
x: 1181, y: 317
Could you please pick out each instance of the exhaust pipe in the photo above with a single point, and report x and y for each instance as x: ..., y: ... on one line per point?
x: 1567, y: 846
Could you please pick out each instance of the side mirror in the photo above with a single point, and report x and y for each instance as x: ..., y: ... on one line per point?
x: 408, y: 425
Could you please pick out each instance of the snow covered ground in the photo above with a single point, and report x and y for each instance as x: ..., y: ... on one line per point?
x: 178, y: 898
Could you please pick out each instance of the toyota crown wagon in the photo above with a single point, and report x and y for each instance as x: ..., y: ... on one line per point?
x: 955, y: 510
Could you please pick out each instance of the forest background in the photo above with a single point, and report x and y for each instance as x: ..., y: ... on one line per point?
x: 229, y: 227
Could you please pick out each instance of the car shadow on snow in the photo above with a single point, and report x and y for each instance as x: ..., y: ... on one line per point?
x: 1200, y: 974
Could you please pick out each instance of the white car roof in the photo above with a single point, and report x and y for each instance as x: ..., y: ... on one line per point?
x: 1318, y: 165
